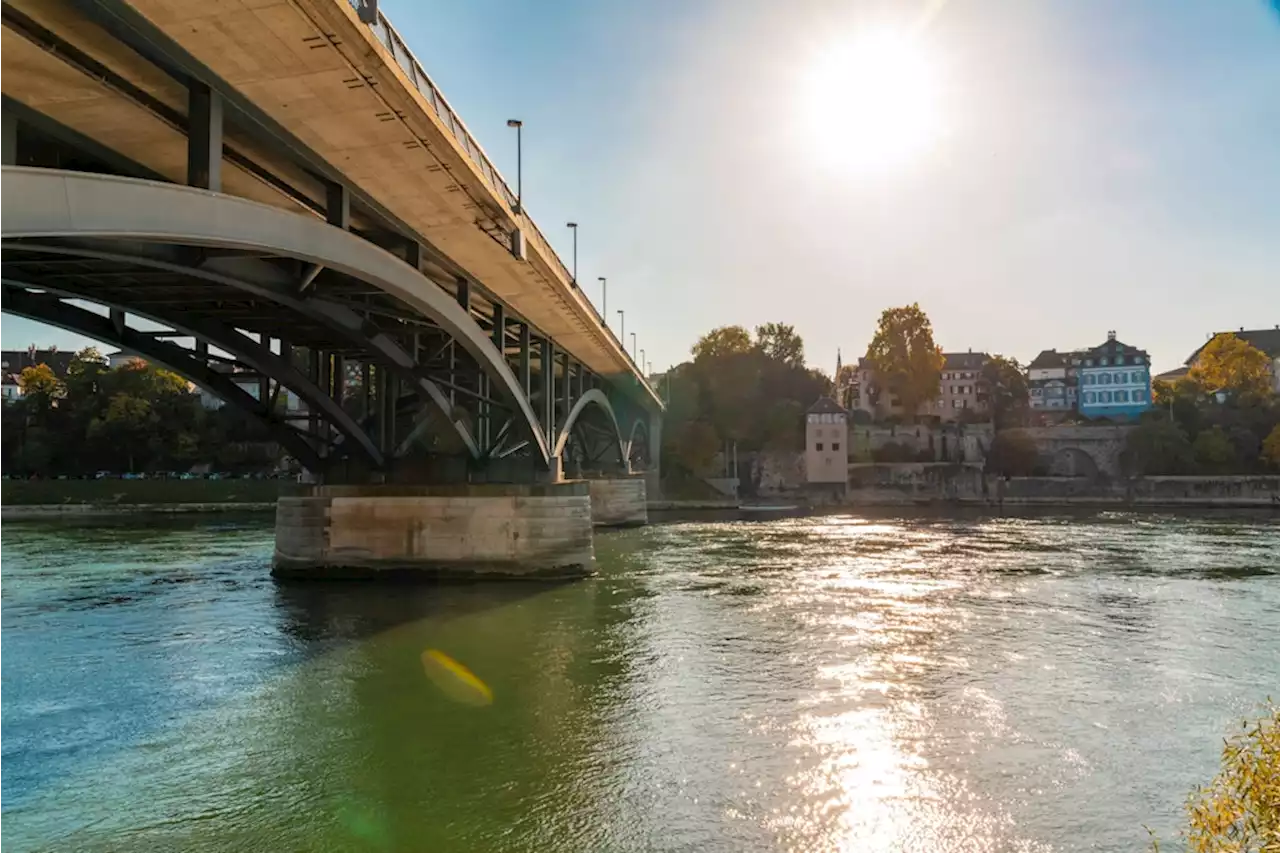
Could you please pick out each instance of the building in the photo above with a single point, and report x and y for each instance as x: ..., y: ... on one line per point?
x: 826, y: 443
x: 1115, y: 381
x: 1052, y: 382
x: 9, y: 386
x: 962, y: 391
x: 1267, y: 340
x: 119, y: 358
x: 16, y: 360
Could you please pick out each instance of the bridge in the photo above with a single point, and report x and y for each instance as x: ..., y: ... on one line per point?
x: 281, y: 190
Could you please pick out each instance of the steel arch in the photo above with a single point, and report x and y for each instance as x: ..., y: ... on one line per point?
x: 44, y: 203
x: 272, y: 284
x: 55, y: 312
x: 592, y: 397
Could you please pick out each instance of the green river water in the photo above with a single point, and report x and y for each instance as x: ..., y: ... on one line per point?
x: 903, y: 681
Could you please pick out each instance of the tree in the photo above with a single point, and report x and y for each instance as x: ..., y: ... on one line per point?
x: 726, y: 340
x: 1239, y: 811
x: 905, y: 358
x: 845, y: 381
x: 693, y: 447
x: 780, y: 342
x: 1271, y: 448
x: 40, y: 383
x: 1158, y: 447
x: 1007, y: 384
x: 1213, y: 450
x: 1232, y: 364
x: 1012, y: 453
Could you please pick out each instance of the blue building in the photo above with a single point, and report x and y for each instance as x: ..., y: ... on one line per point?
x: 1114, y: 381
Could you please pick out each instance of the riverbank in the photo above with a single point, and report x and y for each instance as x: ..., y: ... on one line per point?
x: 77, y: 498
x: 920, y: 483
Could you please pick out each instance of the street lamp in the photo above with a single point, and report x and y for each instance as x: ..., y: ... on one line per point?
x: 633, y: 346
x: 519, y: 126
x: 604, y: 300
x: 574, y: 227
x: 622, y: 325
x: 642, y: 360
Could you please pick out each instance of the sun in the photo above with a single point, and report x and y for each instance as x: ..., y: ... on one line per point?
x: 871, y: 102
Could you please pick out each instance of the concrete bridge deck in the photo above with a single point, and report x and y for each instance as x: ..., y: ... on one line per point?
x: 349, y: 94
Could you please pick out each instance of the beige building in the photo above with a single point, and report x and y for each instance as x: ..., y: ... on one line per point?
x: 826, y: 443
x: 1267, y: 340
x: 961, y: 390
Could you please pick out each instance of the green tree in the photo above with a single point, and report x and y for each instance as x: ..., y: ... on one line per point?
x: 1213, y: 450
x: 693, y: 447
x: 1271, y: 448
x: 726, y: 340
x: 1012, y: 453
x: 1007, y: 386
x: 1158, y: 447
x: 905, y: 358
x: 125, y: 426
x: 1232, y: 364
x: 779, y: 341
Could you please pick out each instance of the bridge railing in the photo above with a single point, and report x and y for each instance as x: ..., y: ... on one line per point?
x: 400, y: 52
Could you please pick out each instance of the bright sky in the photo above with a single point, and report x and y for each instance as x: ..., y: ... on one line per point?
x: 1033, y: 174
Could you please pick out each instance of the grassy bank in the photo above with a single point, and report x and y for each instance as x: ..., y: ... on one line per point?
x: 106, y: 492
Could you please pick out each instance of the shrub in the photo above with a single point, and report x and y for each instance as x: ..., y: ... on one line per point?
x: 1012, y: 454
x: 1239, y: 811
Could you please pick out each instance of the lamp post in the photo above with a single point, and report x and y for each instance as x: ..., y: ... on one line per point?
x: 642, y: 370
x: 604, y: 300
x: 633, y: 346
x: 573, y: 226
x: 519, y: 126
x: 622, y: 326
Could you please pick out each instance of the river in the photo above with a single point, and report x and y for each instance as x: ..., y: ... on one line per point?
x: 915, y: 682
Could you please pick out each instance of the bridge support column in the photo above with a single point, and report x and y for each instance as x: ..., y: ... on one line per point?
x: 619, y: 502
x: 464, y: 532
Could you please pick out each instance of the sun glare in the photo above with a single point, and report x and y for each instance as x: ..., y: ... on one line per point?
x: 871, y: 102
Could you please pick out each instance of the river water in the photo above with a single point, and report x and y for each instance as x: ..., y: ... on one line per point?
x: 912, y: 682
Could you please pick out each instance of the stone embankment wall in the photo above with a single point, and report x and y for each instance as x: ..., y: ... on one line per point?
x: 619, y: 502
x: 914, y: 483
x: 448, y: 531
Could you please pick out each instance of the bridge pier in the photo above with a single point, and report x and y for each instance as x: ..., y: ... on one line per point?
x: 461, y: 532
x: 619, y: 501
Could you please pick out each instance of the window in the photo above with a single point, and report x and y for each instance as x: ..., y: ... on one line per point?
x: 1105, y: 379
x: 818, y: 446
x: 1122, y: 396
x: 1090, y: 379
x: 955, y: 404
x: 1139, y: 396
x: 1136, y: 376
x: 1104, y: 396
x: 1088, y: 362
x: 835, y: 445
x: 1103, y: 361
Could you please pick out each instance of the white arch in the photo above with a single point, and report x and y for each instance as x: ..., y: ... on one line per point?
x: 56, y: 203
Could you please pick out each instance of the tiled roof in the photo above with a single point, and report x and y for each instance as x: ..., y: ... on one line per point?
x: 965, y: 360
x: 1267, y: 340
x: 1173, y: 375
x: 1113, y: 348
x: 826, y: 406
x: 1048, y: 358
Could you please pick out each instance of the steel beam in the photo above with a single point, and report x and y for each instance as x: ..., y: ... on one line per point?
x: 337, y: 205
x: 526, y: 380
x: 547, y: 369
x: 47, y: 308
x: 204, y: 137
x: 10, y: 122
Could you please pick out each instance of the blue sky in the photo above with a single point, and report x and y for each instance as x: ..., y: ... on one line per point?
x: 1100, y: 165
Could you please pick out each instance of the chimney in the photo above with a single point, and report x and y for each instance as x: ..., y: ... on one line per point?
x: 1111, y: 335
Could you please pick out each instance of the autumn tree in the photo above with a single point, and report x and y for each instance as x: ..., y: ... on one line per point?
x: 905, y: 358
x: 779, y: 341
x: 726, y: 340
x: 1007, y: 385
x: 1271, y: 448
x: 1232, y: 364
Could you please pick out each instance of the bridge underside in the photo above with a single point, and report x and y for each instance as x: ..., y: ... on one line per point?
x: 396, y: 380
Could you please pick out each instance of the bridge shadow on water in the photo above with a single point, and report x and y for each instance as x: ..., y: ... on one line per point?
x: 320, y: 615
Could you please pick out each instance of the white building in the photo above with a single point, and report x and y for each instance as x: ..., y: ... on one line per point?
x: 826, y: 443
x: 11, y: 389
